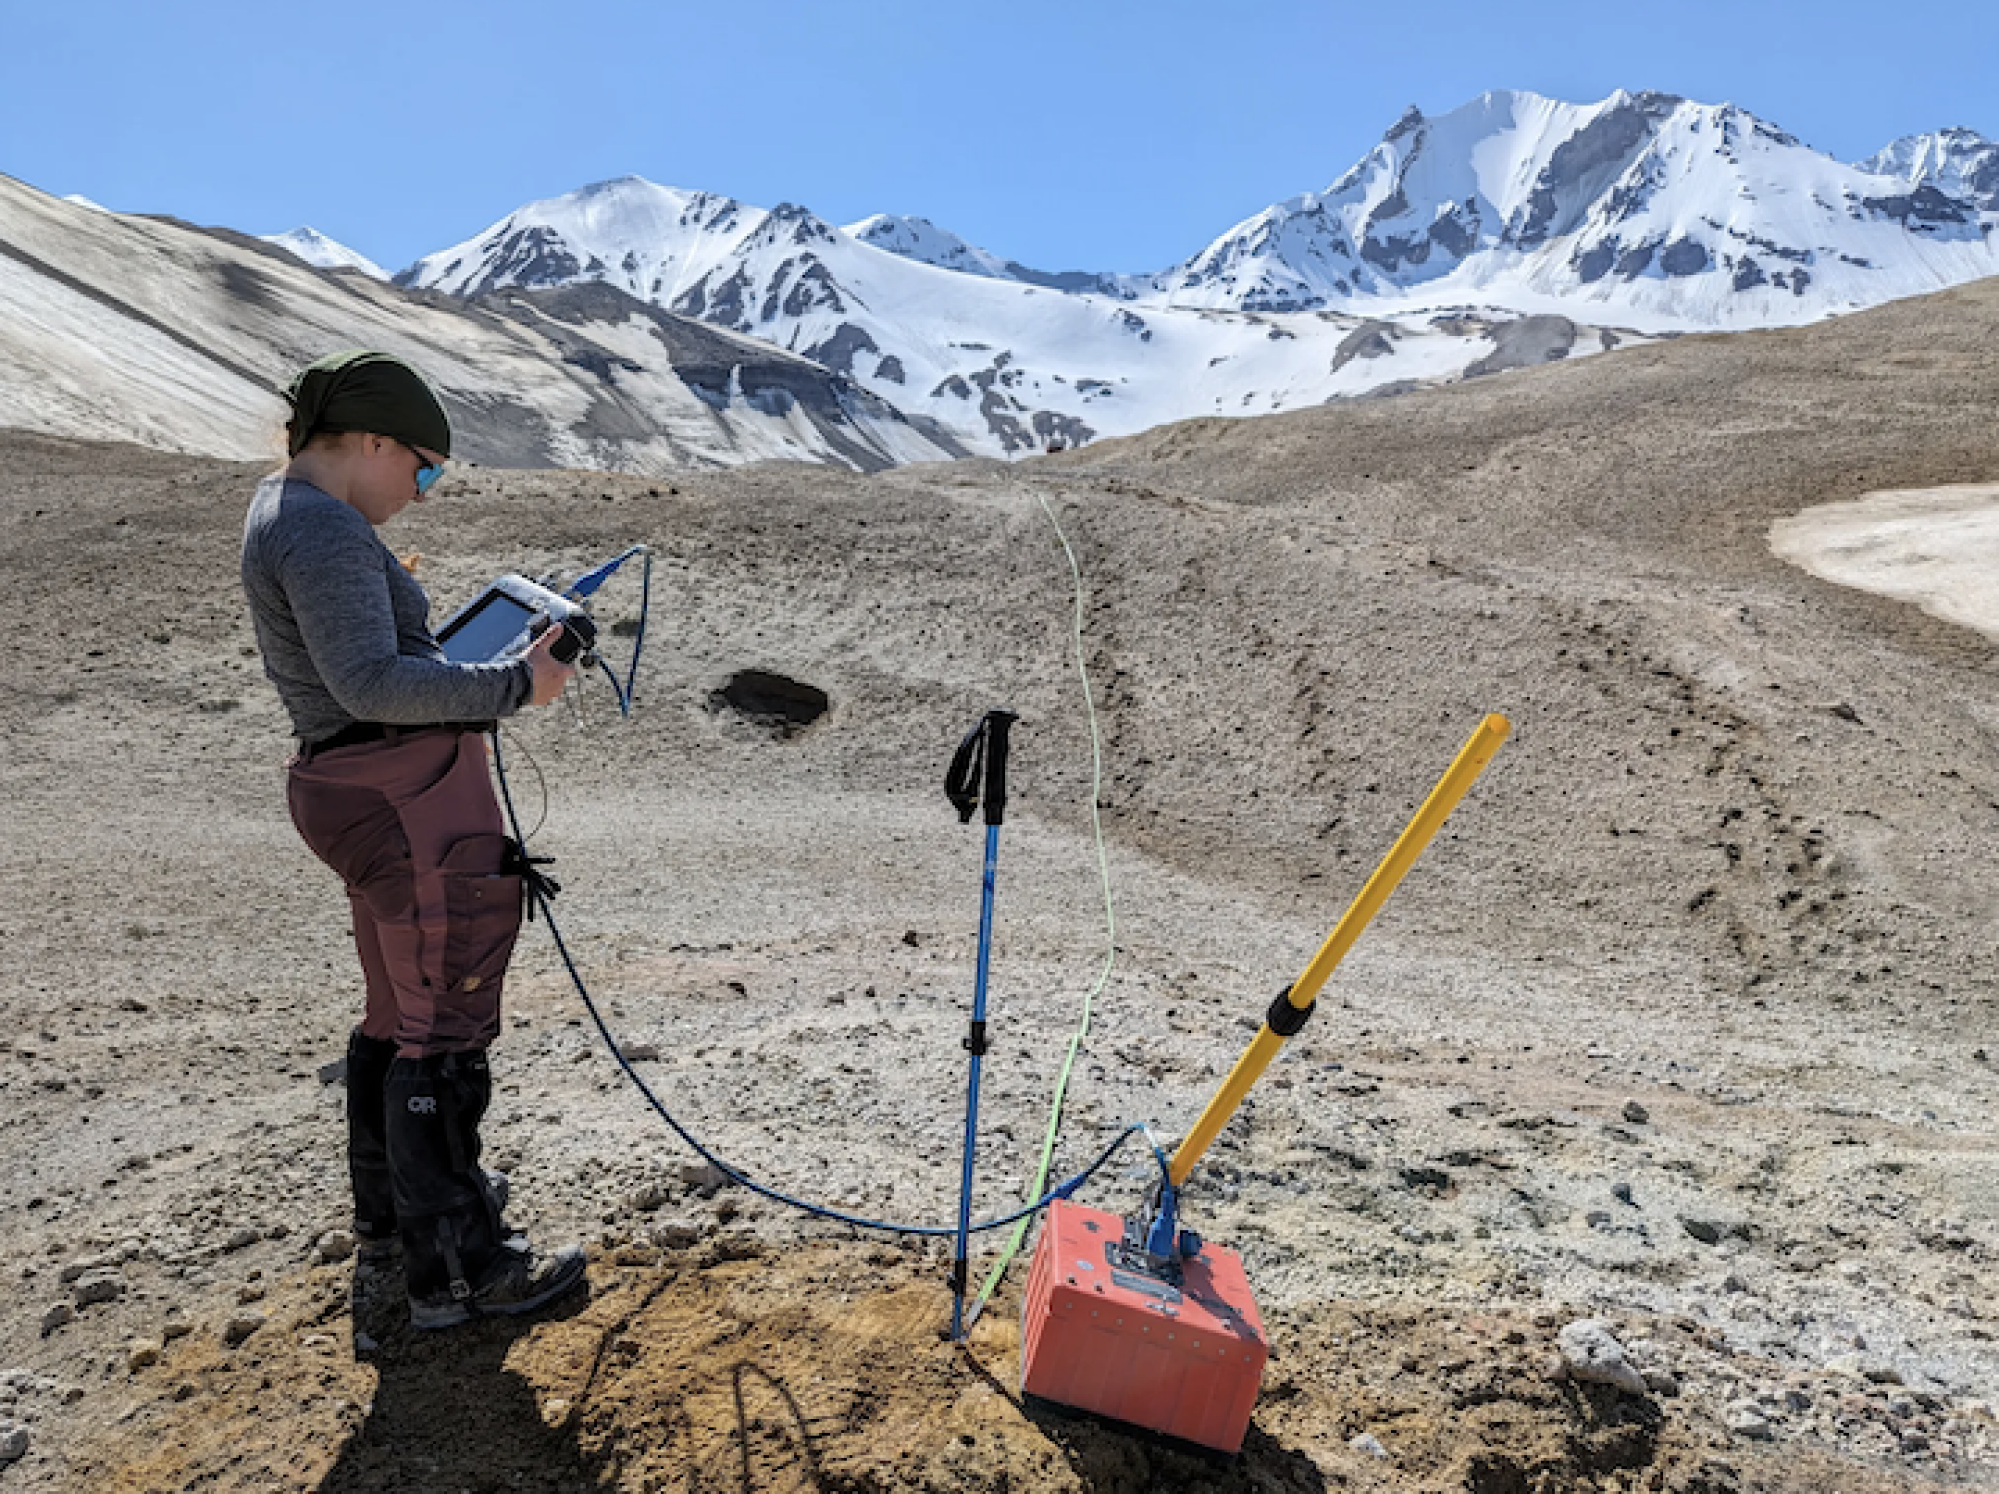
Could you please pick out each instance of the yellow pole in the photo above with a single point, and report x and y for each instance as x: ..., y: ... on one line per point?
x: 1457, y: 780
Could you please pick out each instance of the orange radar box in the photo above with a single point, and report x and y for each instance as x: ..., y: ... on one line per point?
x: 1185, y: 1360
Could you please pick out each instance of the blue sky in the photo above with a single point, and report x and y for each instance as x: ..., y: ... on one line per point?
x: 1114, y: 136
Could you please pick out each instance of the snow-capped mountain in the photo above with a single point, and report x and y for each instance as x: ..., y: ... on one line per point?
x: 921, y: 240
x: 1007, y: 366
x: 1644, y: 208
x: 1645, y: 213
x: 315, y: 248
x: 1958, y: 163
x: 119, y: 327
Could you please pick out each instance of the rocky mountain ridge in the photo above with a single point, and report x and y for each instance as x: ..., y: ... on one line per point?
x: 121, y: 327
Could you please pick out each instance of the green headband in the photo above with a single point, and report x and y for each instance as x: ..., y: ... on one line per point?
x: 362, y: 391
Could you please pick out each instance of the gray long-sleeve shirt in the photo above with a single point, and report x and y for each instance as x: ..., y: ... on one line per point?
x: 345, y: 630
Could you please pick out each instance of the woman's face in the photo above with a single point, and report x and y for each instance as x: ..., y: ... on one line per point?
x: 384, y: 478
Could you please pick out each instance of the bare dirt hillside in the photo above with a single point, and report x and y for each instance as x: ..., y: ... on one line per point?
x: 1683, y: 1025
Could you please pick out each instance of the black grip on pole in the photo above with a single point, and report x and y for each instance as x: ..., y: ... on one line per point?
x: 998, y: 724
x: 978, y: 769
x: 1283, y: 1018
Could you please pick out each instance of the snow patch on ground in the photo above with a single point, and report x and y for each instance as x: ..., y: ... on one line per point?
x: 1935, y: 547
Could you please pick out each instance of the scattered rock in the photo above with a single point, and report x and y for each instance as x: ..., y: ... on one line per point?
x: 94, y: 1289
x: 13, y: 1443
x: 1746, y: 1419
x: 675, y: 1234
x: 730, y: 1247
x: 1591, y: 1352
x: 242, y: 1239
x: 241, y: 1326
x: 639, y: 1052
x: 704, y: 1178
x: 1713, y: 1231
x: 141, y: 1353
x: 1874, y: 1371
x: 1370, y: 1444
x: 651, y: 1196
x: 333, y: 1073
x: 334, y: 1245
x: 1431, y: 1180
x: 1636, y: 1113
x: 176, y: 1328
x: 56, y: 1316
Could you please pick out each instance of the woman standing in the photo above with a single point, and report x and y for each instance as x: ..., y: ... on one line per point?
x: 390, y: 788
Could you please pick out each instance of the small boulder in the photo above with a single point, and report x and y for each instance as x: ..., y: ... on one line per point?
x: 94, y: 1289
x: 1747, y: 1419
x: 650, y: 1196
x: 334, y: 1245
x: 141, y: 1353
x: 241, y: 1326
x: 1713, y: 1231
x: 56, y: 1316
x: 1590, y: 1352
x: 639, y: 1052
x: 704, y: 1178
x: 1368, y: 1443
x: 13, y: 1443
x: 1636, y: 1113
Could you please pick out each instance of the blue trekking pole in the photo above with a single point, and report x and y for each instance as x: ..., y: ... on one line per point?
x: 977, y: 775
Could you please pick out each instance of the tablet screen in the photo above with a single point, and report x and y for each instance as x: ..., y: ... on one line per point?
x: 480, y: 634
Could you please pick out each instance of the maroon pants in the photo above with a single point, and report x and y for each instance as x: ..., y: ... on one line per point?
x: 412, y: 827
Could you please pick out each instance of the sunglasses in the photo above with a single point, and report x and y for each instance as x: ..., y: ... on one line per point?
x: 427, y: 471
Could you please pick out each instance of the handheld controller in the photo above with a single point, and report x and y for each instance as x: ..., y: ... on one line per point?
x: 505, y: 619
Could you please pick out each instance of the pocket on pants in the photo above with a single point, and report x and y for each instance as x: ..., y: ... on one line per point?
x: 482, y: 906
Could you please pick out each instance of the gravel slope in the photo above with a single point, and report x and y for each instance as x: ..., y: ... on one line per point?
x: 1683, y: 1023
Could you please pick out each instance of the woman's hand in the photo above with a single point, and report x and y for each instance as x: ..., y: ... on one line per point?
x: 550, y: 673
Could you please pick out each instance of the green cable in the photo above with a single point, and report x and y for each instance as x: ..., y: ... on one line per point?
x: 1036, y: 1188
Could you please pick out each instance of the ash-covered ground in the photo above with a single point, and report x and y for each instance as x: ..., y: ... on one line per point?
x: 1683, y: 1025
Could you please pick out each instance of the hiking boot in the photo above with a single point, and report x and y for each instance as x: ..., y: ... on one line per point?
x: 384, y: 1253
x: 460, y: 1259
x: 521, y: 1280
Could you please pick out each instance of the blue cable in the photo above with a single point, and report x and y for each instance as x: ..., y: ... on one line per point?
x: 587, y: 585
x: 736, y: 1174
